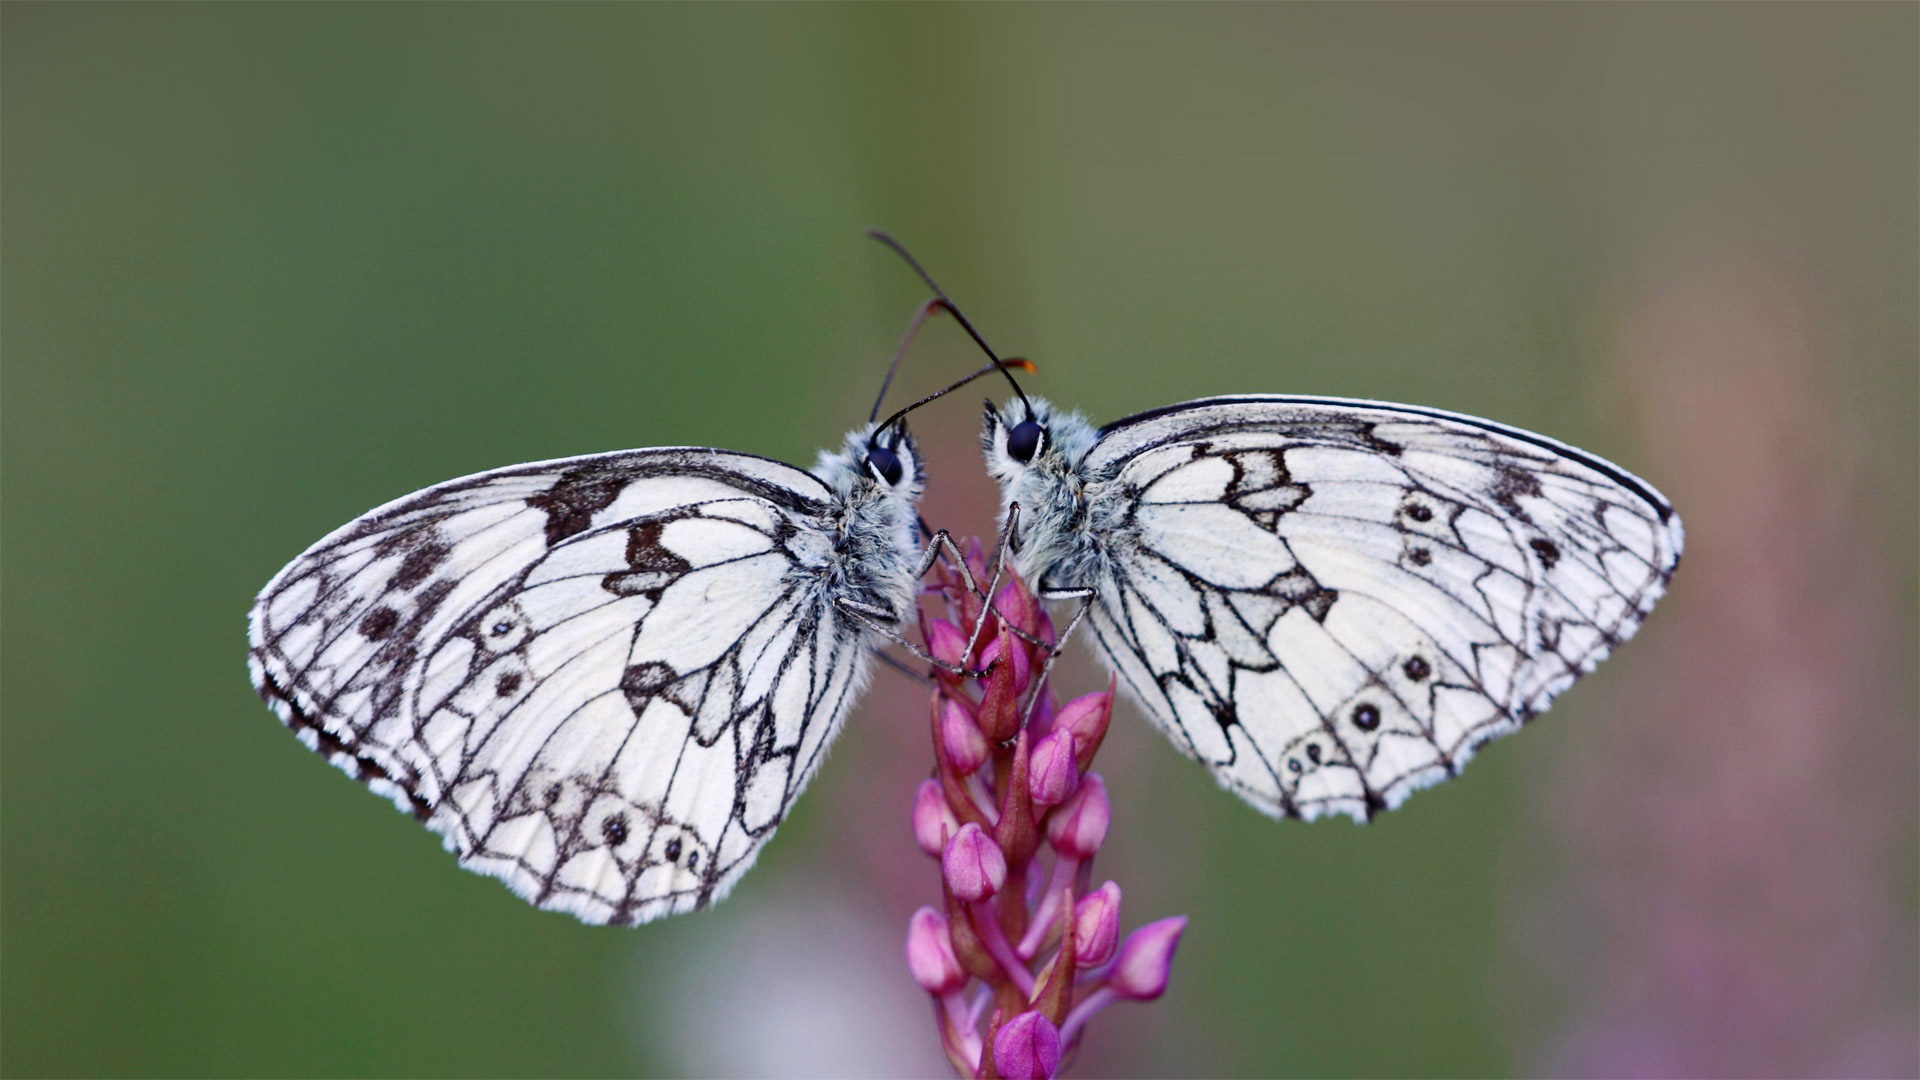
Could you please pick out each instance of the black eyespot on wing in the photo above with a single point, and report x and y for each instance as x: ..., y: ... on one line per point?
x: 1420, y: 556
x: 507, y: 684
x: 1366, y: 716
x: 1024, y: 441
x: 884, y: 463
x: 673, y: 850
x: 1419, y: 512
x: 1417, y: 668
x: 615, y: 830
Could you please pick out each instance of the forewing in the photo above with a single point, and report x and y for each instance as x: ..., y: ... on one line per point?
x: 602, y: 680
x: 1333, y: 603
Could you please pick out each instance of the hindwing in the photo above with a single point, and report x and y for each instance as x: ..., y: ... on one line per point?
x: 602, y: 679
x: 1333, y: 603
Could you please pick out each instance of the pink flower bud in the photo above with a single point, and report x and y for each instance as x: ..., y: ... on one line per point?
x: 1017, y: 606
x: 1078, y: 828
x: 1008, y: 645
x: 930, y: 953
x: 1096, y: 925
x: 1086, y: 717
x: 974, y: 866
x: 1027, y: 1047
x: 999, y: 715
x: 933, y: 819
x: 946, y: 641
x: 1140, y: 971
x: 1053, y: 776
x: 966, y: 746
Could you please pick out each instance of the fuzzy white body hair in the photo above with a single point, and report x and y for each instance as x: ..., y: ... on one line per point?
x: 1063, y: 516
x: 873, y: 533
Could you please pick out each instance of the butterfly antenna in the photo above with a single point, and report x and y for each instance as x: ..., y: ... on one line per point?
x: 997, y: 365
x: 906, y: 339
x: 942, y: 300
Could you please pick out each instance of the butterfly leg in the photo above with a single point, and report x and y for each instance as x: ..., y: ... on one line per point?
x: 891, y: 661
x: 938, y: 542
x: 1085, y: 596
x: 999, y: 569
x: 879, y: 621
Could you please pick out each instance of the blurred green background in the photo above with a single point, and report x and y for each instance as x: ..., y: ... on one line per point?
x: 265, y: 267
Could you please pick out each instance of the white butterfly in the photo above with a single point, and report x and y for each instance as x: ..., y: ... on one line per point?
x: 1332, y: 603
x: 602, y: 679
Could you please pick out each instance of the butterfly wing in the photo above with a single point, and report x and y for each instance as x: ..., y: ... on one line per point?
x: 1333, y: 603
x: 601, y: 679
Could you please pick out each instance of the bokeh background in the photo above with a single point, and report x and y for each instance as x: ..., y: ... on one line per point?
x: 265, y: 267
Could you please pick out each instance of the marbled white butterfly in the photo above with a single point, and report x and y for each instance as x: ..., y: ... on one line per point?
x: 1331, y: 603
x: 602, y: 679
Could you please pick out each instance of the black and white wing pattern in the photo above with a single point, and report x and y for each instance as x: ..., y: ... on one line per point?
x: 602, y: 679
x: 1332, y: 603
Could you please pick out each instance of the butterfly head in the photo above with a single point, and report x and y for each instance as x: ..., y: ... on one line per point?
x: 875, y: 462
x: 1024, y: 436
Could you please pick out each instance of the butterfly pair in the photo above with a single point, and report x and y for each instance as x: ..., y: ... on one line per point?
x: 605, y: 679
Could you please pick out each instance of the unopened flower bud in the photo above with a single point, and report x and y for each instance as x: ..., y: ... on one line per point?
x: 1053, y: 777
x: 966, y: 746
x: 999, y: 716
x: 1007, y: 645
x: 974, y: 866
x: 1027, y: 1047
x: 1140, y: 971
x: 1096, y: 925
x: 933, y: 819
x: 930, y: 953
x: 1017, y: 606
x: 1077, y: 828
x: 1086, y: 717
x: 946, y: 642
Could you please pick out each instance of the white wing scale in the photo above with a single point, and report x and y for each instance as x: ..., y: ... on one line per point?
x: 603, y: 680
x: 1333, y: 603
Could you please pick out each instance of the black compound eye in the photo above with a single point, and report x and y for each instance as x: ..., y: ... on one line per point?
x: 884, y: 463
x: 1024, y: 441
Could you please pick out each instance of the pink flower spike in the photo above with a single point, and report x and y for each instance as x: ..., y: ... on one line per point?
x: 1086, y: 717
x: 933, y: 819
x: 1027, y: 1047
x: 966, y: 745
x: 1140, y: 971
x: 974, y: 866
x: 946, y: 642
x: 1053, y: 776
x: 930, y: 954
x: 1078, y: 828
x: 1096, y: 922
